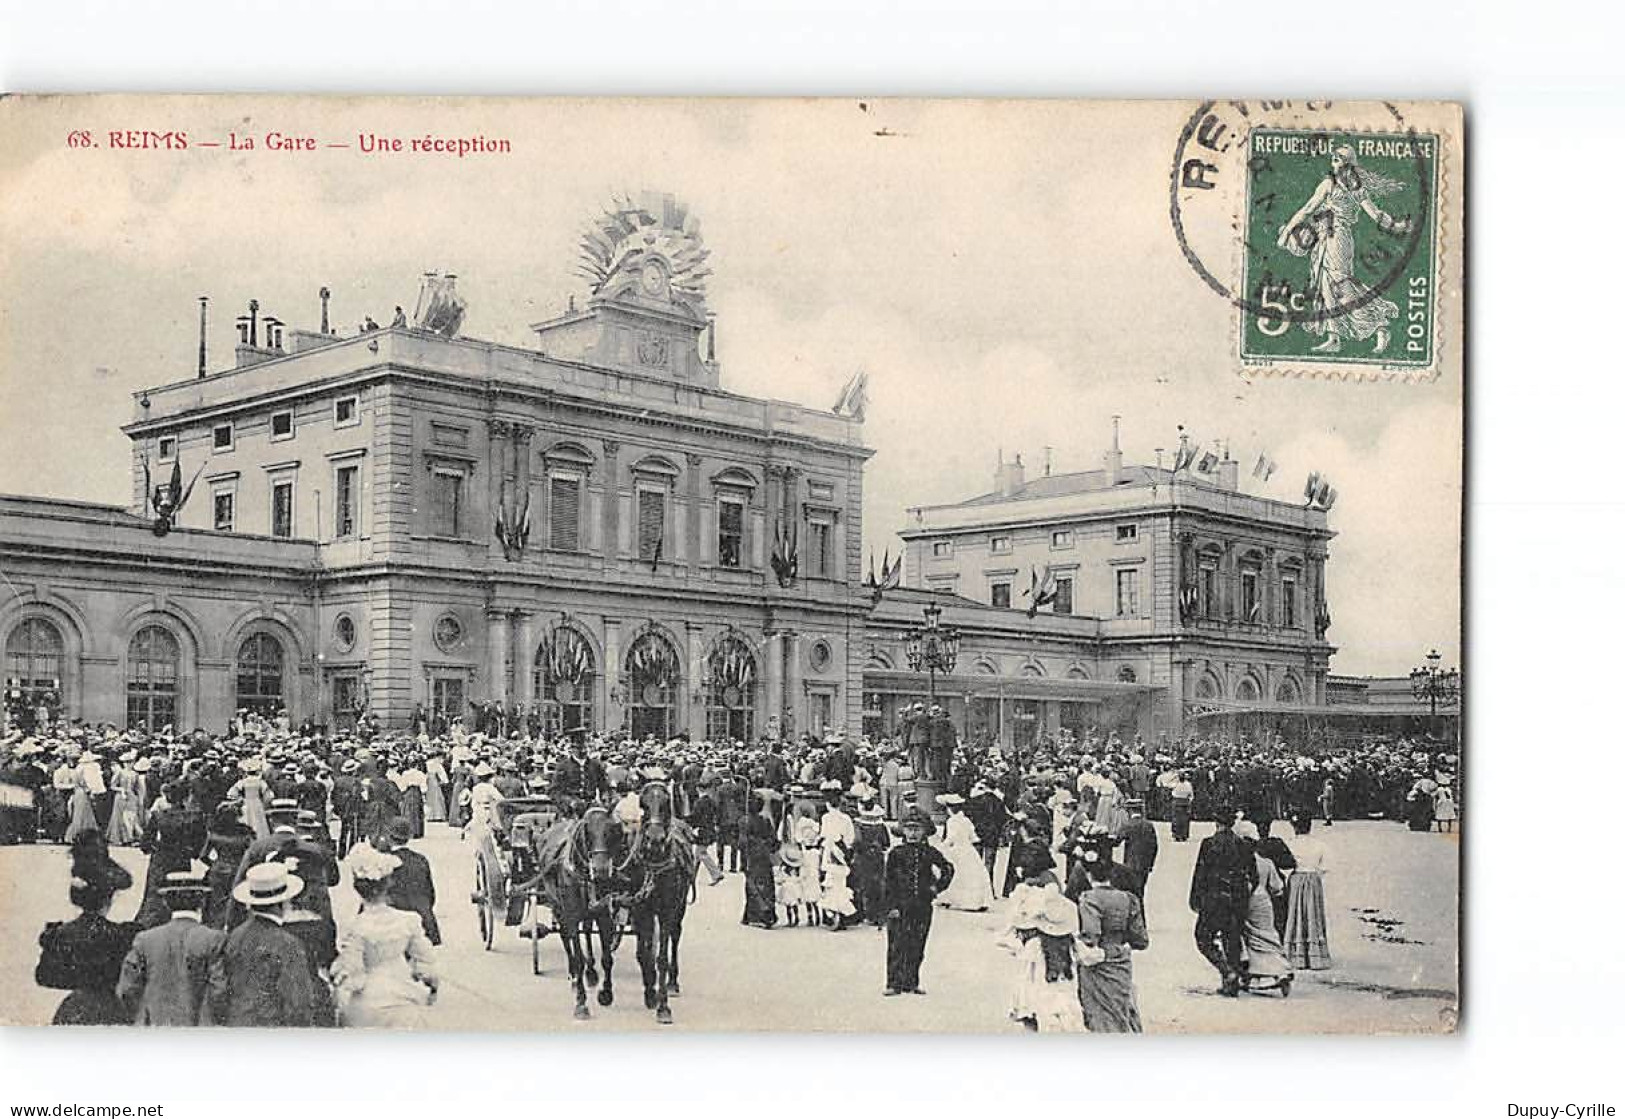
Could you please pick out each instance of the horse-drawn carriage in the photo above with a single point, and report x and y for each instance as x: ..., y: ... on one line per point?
x: 507, y: 873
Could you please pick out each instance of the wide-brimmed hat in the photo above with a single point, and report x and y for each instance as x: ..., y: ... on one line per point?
x: 267, y: 884
x: 368, y: 863
x: 483, y: 770
x: 789, y: 854
x: 283, y: 806
x: 1047, y: 910
x: 871, y: 813
x: 179, y: 883
x: 979, y: 789
x: 830, y: 786
x: 952, y: 800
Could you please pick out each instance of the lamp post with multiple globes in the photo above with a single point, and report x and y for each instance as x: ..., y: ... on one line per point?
x: 1439, y: 686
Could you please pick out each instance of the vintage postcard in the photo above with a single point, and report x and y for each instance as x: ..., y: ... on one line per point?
x: 794, y: 565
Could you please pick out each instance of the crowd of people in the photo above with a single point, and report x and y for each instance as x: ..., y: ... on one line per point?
x: 247, y: 831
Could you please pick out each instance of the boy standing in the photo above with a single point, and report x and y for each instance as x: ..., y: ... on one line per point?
x: 916, y: 873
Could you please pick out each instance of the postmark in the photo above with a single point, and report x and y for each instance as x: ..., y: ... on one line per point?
x: 1325, y: 226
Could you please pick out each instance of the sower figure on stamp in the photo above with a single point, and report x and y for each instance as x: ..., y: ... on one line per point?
x: 916, y: 873
x: 1221, y: 885
x: 1323, y: 228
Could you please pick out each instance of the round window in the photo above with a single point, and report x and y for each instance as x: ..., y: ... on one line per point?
x: 448, y: 632
x: 820, y: 655
x: 344, y: 633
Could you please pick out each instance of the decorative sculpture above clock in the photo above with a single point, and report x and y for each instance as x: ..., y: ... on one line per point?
x: 647, y: 249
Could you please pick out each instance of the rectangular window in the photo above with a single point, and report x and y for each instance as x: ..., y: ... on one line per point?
x: 730, y: 533
x: 818, y: 565
x: 1252, y: 607
x: 225, y: 510
x: 1128, y: 593
x: 1063, y: 595
x: 446, y: 699
x: 651, y: 525
x: 345, y: 500
x: 1001, y: 594
x: 1127, y: 534
x: 1001, y: 545
x: 1210, y: 592
x: 942, y: 549
x: 564, y: 515
x: 1289, y: 603
x: 1061, y: 538
x: 281, y: 425
x: 281, y: 508
x: 823, y: 708
x: 345, y: 412
x: 223, y: 437
x: 166, y: 448
x: 447, y: 508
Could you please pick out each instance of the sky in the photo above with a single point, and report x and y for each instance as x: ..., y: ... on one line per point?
x: 1005, y: 272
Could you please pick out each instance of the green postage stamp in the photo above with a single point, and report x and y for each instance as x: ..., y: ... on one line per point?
x: 1333, y: 229
x: 1339, y: 251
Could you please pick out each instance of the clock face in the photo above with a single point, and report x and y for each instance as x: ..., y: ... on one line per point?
x: 654, y: 279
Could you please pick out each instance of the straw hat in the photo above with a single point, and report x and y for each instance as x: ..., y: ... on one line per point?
x: 267, y: 884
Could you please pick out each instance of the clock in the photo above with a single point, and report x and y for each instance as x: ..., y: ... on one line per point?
x: 654, y: 279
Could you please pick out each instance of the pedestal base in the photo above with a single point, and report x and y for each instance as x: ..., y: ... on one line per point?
x: 925, y: 797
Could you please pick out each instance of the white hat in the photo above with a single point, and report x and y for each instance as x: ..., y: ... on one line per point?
x: 267, y: 884
x: 483, y: 770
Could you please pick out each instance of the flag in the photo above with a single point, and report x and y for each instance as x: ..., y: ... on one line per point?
x: 854, y: 397
x: 1207, y: 462
x: 1323, y: 495
x: 1042, y: 590
x: 1330, y: 498
x: 869, y: 580
x: 893, y: 577
x: 1312, y: 486
x: 784, y: 555
x: 1263, y: 468
x: 654, y: 559
x: 1184, y: 457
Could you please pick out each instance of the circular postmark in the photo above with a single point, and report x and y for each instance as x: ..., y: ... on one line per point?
x: 1275, y: 181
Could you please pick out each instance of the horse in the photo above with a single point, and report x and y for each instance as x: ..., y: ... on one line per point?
x: 581, y: 864
x: 663, y: 865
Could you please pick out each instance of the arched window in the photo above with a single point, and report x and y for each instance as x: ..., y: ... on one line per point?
x: 1207, y: 686
x: 153, y: 683
x: 259, y: 675
x: 34, y: 670
x: 1287, y: 691
x: 1247, y: 690
x: 564, y: 675
x: 730, y: 695
x: 653, y: 678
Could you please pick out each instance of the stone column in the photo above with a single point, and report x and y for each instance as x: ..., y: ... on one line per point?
x: 496, y: 668
x: 614, y: 710
x: 610, y: 540
x: 696, y: 676
x: 524, y: 652
x: 500, y: 432
x: 791, y: 719
x: 773, y: 676
x: 696, y: 500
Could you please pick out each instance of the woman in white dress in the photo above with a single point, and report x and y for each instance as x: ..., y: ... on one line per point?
x: 384, y: 975
x: 970, y: 889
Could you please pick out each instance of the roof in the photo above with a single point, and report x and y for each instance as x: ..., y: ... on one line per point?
x: 1082, y: 481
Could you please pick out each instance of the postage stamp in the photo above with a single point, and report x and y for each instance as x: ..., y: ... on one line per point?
x: 1330, y: 229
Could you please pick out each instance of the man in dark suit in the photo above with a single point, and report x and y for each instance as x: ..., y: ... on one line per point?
x: 313, y: 862
x: 346, y: 799
x: 262, y: 977
x: 380, y: 800
x: 916, y: 873
x: 578, y: 775
x: 411, y: 886
x: 165, y: 980
x: 1139, y: 845
x: 990, y: 818
x: 775, y: 772
x: 1225, y: 876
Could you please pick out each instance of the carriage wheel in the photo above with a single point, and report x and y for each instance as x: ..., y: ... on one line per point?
x: 535, y: 936
x: 488, y: 913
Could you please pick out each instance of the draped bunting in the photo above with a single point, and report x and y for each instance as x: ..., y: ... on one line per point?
x: 733, y: 666
x: 566, y: 657
x: 653, y: 660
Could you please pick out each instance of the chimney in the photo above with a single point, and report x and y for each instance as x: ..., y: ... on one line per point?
x: 1228, y: 475
x: 249, y: 350
x: 1114, y: 457
x: 1010, y: 477
x: 325, y: 294
x: 202, y: 336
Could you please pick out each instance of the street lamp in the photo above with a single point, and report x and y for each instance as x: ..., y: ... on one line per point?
x: 933, y: 648
x: 1436, y: 685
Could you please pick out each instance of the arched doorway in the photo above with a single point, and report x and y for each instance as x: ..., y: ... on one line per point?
x: 654, y: 676
x: 564, y: 676
x: 730, y: 695
x: 34, y: 652
x: 259, y: 675
x: 152, y: 685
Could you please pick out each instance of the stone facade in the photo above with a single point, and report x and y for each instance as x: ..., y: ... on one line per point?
x: 362, y: 498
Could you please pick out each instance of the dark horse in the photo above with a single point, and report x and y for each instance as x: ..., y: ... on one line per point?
x: 581, y: 865
x: 662, y: 867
